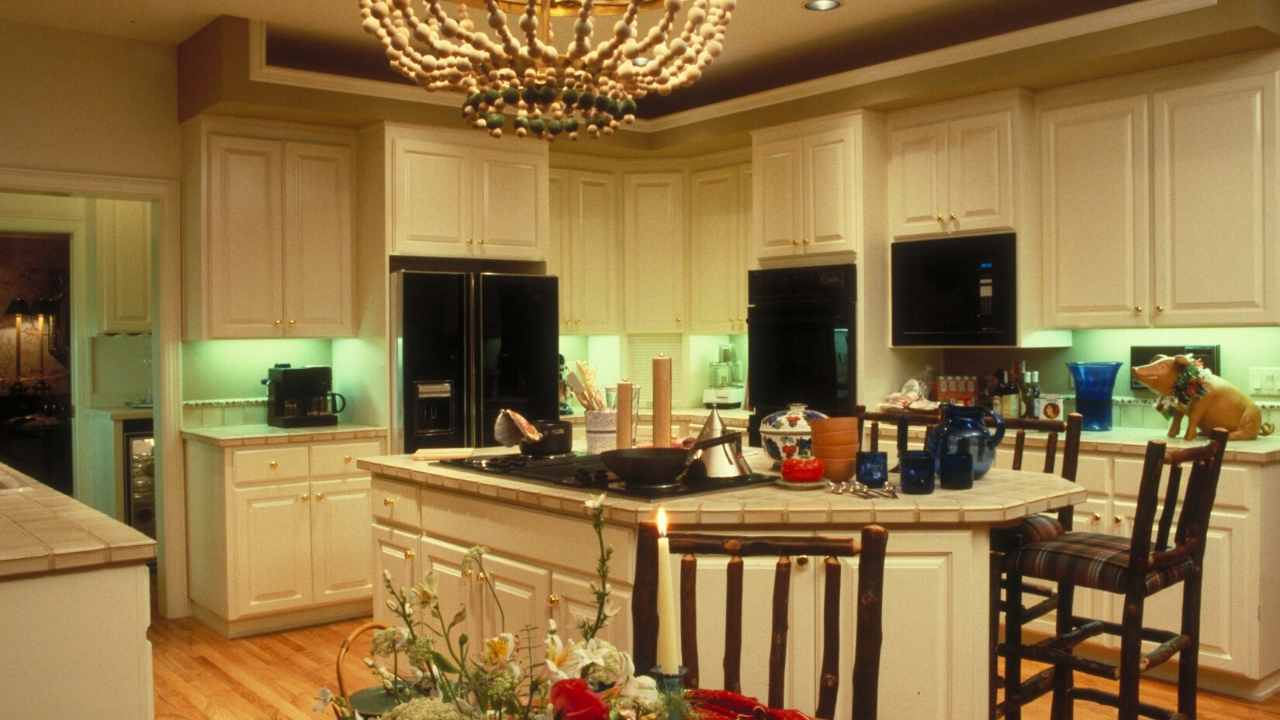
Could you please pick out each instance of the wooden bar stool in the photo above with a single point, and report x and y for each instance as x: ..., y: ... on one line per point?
x: 1036, y: 527
x: 870, y: 589
x: 902, y: 421
x: 1130, y: 567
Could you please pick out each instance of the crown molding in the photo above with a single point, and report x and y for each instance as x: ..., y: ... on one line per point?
x: 1101, y: 21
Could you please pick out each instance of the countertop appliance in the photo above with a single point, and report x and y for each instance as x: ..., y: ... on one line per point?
x: 587, y: 472
x: 800, y: 342
x: 955, y: 291
x: 139, y: 475
x: 724, y: 390
x: 302, y: 397
x: 468, y: 345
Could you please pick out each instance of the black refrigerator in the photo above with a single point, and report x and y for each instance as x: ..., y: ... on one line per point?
x: 468, y: 345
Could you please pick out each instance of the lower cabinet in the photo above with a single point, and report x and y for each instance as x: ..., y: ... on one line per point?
x: 279, y: 535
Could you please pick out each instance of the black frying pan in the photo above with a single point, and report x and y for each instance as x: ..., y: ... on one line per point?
x: 659, y: 466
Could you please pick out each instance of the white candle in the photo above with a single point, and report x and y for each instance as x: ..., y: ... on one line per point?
x: 668, y: 614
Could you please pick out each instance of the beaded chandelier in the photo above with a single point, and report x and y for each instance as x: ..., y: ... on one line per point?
x: 553, y: 93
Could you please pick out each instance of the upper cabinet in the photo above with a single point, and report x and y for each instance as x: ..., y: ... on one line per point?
x: 719, y: 249
x: 954, y: 176
x: 268, y: 220
x: 449, y: 198
x: 653, y: 229
x: 808, y: 185
x: 584, y: 250
x: 1183, y: 237
x: 122, y: 235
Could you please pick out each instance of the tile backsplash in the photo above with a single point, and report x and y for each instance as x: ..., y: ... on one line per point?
x: 217, y: 413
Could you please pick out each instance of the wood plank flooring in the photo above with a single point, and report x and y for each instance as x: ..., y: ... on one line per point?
x: 200, y: 674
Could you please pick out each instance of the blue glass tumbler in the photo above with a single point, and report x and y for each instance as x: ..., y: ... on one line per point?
x: 1094, y: 382
x: 955, y: 471
x: 873, y: 468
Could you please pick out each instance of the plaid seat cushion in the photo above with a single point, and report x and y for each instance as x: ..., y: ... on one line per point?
x: 1092, y: 560
x: 1036, y: 528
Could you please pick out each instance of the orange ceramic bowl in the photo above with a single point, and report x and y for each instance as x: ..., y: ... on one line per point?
x: 824, y: 450
x: 840, y: 470
x: 835, y: 424
x: 838, y: 437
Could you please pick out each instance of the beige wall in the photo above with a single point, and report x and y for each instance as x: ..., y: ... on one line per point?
x: 87, y: 103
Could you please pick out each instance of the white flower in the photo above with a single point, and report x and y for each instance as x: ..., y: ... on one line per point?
x: 323, y: 698
x: 601, y: 663
x: 595, y: 503
x: 642, y: 688
x: 498, y: 649
x: 560, y: 657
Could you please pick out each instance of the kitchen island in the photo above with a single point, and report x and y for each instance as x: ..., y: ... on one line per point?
x: 541, y: 557
x: 76, y: 595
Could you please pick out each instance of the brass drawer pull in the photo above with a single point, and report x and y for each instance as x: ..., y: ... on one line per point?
x: 347, y: 460
x: 553, y: 600
x: 409, y: 554
x: 273, y: 465
x: 388, y: 501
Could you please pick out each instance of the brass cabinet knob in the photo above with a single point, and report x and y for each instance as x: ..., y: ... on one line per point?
x: 954, y: 218
x: 347, y: 459
x: 1095, y: 519
x: 1159, y: 308
x: 467, y: 573
x: 940, y: 220
x: 1117, y: 520
x: 319, y: 496
x: 276, y: 323
x: 802, y: 561
x: 409, y: 554
x: 553, y: 599
x: 1137, y: 308
x: 388, y: 501
x: 480, y: 241
x: 273, y: 465
x: 304, y: 497
x: 292, y: 323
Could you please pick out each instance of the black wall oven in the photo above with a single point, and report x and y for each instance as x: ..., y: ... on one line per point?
x: 800, y: 345
x: 955, y: 291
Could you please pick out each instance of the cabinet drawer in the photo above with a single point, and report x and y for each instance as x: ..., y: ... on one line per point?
x: 340, y: 459
x: 396, y: 502
x: 277, y: 463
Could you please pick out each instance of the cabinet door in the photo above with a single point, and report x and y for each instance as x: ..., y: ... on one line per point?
x: 511, y: 205
x: 396, y: 553
x: 431, y: 199
x: 572, y: 603
x: 1096, y: 214
x: 245, y: 244
x: 457, y: 590
x: 271, y: 558
x: 559, y: 247
x: 714, y: 251
x: 340, y: 539
x: 745, y: 214
x: 594, y: 254
x: 778, y: 198
x: 1216, y: 245
x: 524, y: 591
x: 654, y: 236
x: 917, y: 180
x: 317, y: 251
x: 123, y: 238
x: 829, y: 160
x: 980, y: 170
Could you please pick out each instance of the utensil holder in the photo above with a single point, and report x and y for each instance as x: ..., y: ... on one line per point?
x: 602, y: 431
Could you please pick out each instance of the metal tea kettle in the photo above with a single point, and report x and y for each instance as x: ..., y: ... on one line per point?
x: 725, y: 460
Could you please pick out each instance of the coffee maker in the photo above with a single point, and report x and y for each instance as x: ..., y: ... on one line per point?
x: 302, y: 397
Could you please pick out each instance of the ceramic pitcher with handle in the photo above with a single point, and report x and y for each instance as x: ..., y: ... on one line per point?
x: 965, y: 427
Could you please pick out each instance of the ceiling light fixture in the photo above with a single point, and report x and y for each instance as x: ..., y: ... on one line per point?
x: 553, y: 92
x: 821, y: 5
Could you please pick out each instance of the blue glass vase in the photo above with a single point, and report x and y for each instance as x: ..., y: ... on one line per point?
x: 1094, y: 382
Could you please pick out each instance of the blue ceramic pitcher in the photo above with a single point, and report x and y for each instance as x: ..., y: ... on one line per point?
x: 963, y: 426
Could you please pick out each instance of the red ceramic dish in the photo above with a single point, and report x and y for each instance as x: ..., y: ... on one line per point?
x: 802, y: 470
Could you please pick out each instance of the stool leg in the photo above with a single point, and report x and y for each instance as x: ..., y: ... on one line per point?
x: 993, y: 631
x: 1013, y: 647
x: 1063, y: 676
x: 1189, y: 657
x: 1130, y: 653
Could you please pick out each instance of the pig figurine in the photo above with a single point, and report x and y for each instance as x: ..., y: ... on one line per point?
x: 1187, y: 388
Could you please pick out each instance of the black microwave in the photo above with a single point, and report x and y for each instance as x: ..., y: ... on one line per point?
x: 955, y: 291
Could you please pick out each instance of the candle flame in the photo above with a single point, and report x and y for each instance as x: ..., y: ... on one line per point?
x: 662, y: 522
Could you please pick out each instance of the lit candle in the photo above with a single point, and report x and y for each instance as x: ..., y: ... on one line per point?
x: 668, y: 617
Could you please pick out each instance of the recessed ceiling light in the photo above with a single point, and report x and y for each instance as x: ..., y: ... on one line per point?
x: 821, y: 5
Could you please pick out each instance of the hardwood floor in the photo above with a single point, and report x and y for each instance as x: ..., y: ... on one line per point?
x: 200, y: 674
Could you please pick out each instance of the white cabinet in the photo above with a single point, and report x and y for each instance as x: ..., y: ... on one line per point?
x: 584, y: 251
x: 954, y: 176
x: 572, y: 603
x: 653, y: 232
x: 523, y: 592
x: 456, y: 585
x: 718, y: 250
x: 452, y: 199
x: 1096, y: 214
x: 395, y: 553
x: 271, y: 557
x: 279, y: 535
x: 1217, y: 251
x: 268, y: 229
x: 808, y: 185
x: 122, y: 235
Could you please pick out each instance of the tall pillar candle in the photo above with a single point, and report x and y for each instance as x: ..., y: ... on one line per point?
x: 668, y: 614
x: 662, y: 401
x: 625, y: 420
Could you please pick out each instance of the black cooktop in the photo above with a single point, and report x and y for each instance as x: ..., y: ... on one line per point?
x: 587, y: 472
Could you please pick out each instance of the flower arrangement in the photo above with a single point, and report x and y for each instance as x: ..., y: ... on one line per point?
x: 508, y: 676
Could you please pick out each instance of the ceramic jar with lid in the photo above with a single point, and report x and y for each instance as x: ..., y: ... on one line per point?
x: 786, y: 433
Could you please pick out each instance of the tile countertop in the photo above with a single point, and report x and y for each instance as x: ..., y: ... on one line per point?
x: 1133, y: 441
x: 232, y: 435
x: 1002, y: 496
x: 43, y: 531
